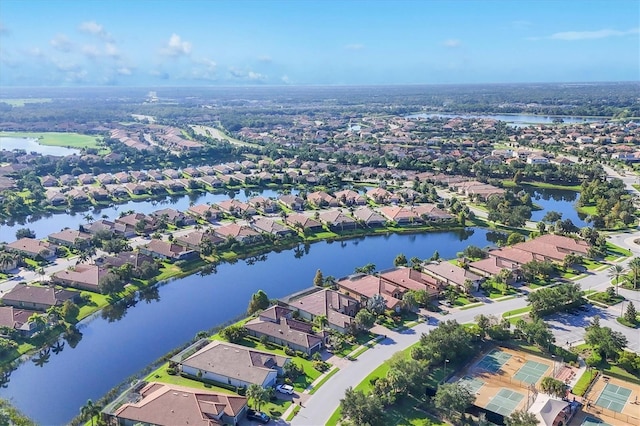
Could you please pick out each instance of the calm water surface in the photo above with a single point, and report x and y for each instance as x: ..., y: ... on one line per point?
x: 32, y: 145
x: 108, y: 353
x: 515, y: 119
x: 558, y: 200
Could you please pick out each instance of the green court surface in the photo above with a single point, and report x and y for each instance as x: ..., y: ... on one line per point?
x: 613, y: 397
x: 531, y: 372
x: 590, y: 421
x: 504, y: 402
x: 493, y: 361
x: 471, y: 383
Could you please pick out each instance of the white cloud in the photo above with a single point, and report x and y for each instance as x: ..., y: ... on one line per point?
x: 588, y: 35
x: 61, y: 42
x: 110, y: 49
x: 285, y: 79
x: 93, y: 28
x: 354, y: 46
x: 176, y: 46
x: 452, y: 43
x: 256, y: 76
x: 265, y: 58
x: 90, y: 51
x: 124, y: 71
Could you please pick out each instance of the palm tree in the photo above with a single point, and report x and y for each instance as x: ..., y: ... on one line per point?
x: 253, y: 392
x: 89, y: 410
x: 614, y: 272
x: 6, y: 259
x: 38, y: 321
x: 634, y: 264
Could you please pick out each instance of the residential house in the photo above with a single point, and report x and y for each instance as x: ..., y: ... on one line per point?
x: 194, y: 240
x: 401, y: 215
x: 33, y: 248
x: 338, y: 221
x: 322, y: 199
x: 451, y: 274
x: 413, y: 280
x: 339, y: 309
x: 382, y: 196
x: 369, y: 217
x: 232, y: 364
x: 430, y: 212
x: 240, y: 233
x: 86, y: 179
x: 292, y: 201
x: 133, y: 258
x: 280, y: 328
x: 165, y: 250
x: 149, y: 223
x: 83, y: 277
x: 55, y: 198
x: 553, y: 247
x: 121, y: 229
x: 266, y: 205
x: 49, y: 181
x: 304, y: 222
x: 364, y: 287
x: 122, y: 177
x: 174, y: 217
x: 205, y: 211
x: 38, y: 298
x: 161, y: 404
x: 349, y: 197
x: 493, y: 265
x: 70, y: 238
x: 271, y: 226
x: 236, y: 208
x: 77, y: 196
x: 17, y: 319
x: 135, y: 188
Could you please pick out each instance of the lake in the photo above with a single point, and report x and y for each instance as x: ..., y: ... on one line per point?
x: 31, y: 145
x: 109, y: 352
x: 558, y: 200
x: 514, y: 120
x: 45, y: 225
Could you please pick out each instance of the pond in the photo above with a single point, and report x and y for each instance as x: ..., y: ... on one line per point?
x: 45, y: 225
x: 512, y: 119
x: 31, y: 145
x: 558, y: 200
x: 117, y: 345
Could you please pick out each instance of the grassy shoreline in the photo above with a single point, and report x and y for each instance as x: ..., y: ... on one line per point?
x: 68, y: 140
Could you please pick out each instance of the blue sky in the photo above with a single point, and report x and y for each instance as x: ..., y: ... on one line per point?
x: 174, y: 43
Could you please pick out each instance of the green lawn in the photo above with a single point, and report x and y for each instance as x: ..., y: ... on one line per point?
x: 584, y: 381
x: 323, y: 380
x: 614, y: 252
x: 70, y: 140
x: 20, y: 102
x: 516, y: 312
x: 404, y: 411
x: 589, y: 210
x: 603, y: 297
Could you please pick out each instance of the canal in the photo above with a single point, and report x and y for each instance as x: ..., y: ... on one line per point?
x: 111, y: 349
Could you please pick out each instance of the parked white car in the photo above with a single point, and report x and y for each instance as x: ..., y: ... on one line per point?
x: 288, y: 389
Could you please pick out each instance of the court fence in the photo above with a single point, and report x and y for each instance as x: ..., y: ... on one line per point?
x: 590, y: 407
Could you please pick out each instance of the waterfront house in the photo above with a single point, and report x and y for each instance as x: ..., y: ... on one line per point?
x: 303, y: 222
x: 195, y: 239
x: 70, y: 238
x: 382, y: 196
x: 232, y: 364
x: 33, y: 248
x: 349, y: 197
x: 493, y: 265
x: 17, y: 319
x: 338, y: 221
x: 277, y: 324
x: 133, y: 258
x: 236, y: 208
x: 165, y: 250
x: 364, y: 287
x: 411, y: 279
x: 174, y: 217
x: 292, y: 201
x: 271, y: 226
x: 83, y: 277
x: 240, y: 233
x: 205, y: 211
x: 338, y: 308
x: 266, y: 205
x: 430, y: 212
x: 401, y: 215
x: 55, y: 198
x: 451, y: 274
x: 149, y: 223
x: 38, y: 298
x: 168, y: 405
x: 322, y: 199
x: 369, y: 217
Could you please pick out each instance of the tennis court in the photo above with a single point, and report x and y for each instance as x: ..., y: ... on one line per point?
x: 590, y: 421
x: 493, y: 361
x: 613, y: 397
x: 471, y: 383
x: 531, y: 372
x: 504, y: 402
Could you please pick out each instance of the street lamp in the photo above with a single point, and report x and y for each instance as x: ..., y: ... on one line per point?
x: 444, y: 377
